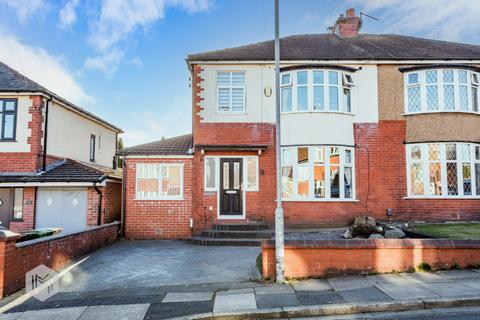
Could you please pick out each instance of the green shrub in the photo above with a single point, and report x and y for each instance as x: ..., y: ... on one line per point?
x: 423, y: 266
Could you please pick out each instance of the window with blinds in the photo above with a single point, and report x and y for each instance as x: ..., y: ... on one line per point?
x: 231, y: 91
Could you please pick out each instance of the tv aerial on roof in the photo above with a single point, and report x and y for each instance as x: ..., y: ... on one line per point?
x: 367, y: 15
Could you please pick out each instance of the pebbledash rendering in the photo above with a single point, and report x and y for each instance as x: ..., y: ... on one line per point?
x: 384, y: 125
x: 56, y: 160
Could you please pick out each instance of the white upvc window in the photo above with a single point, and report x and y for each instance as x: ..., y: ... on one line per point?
x: 313, y: 90
x: 312, y: 173
x: 159, y: 181
x: 231, y: 91
x: 450, y: 170
x: 441, y: 90
x: 212, y: 173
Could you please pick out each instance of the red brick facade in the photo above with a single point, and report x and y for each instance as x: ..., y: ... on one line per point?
x: 154, y: 219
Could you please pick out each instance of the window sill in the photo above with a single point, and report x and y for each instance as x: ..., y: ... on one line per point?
x: 441, y: 198
x: 8, y: 140
x: 438, y: 111
x: 319, y: 111
x: 320, y: 200
x: 231, y: 113
x: 159, y: 199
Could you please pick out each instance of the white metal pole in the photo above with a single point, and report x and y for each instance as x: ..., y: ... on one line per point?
x: 279, y: 236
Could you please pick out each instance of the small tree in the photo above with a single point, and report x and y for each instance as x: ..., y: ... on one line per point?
x: 120, y: 146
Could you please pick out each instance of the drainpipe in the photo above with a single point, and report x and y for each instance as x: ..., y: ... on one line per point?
x: 124, y: 197
x: 100, y: 198
x: 45, y: 136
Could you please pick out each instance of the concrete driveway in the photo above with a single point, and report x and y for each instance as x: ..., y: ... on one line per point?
x: 130, y: 264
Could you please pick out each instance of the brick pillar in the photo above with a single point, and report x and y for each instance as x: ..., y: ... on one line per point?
x: 35, y: 140
x: 8, y: 240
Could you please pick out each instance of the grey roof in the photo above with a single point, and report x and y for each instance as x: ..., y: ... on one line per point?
x: 63, y: 171
x: 13, y: 81
x: 362, y: 47
x: 180, y: 145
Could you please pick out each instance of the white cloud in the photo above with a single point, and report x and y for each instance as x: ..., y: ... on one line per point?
x: 136, y: 62
x: 442, y: 19
x: 40, y: 66
x: 107, y: 63
x: 155, y: 125
x: 67, y: 15
x: 119, y: 19
x: 25, y: 9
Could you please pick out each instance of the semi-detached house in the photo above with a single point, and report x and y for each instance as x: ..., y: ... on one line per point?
x: 370, y: 124
x: 56, y: 160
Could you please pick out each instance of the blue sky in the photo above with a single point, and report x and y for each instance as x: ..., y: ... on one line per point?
x: 125, y: 60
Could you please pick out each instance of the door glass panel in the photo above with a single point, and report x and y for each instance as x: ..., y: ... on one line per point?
x: 236, y: 175
x: 226, y: 172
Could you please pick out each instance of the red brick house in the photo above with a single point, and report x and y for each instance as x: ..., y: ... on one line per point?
x: 56, y: 160
x: 370, y: 124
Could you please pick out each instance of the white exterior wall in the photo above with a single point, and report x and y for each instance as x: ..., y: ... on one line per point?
x: 23, y: 132
x: 69, y: 136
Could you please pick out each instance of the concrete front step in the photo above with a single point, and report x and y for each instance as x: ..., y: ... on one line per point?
x: 225, y: 241
x: 250, y: 226
x: 239, y: 234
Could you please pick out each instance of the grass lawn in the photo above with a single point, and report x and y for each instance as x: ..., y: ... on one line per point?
x: 449, y: 230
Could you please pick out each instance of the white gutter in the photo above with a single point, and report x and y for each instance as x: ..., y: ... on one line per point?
x: 51, y: 184
x: 336, y: 62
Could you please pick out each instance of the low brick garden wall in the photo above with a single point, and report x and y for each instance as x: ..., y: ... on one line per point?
x: 56, y: 252
x: 322, y: 258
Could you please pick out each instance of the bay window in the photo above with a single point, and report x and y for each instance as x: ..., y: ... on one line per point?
x: 435, y: 90
x: 316, y: 90
x: 157, y: 181
x: 318, y: 173
x: 443, y: 169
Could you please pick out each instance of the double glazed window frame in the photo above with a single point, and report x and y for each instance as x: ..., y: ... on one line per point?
x: 463, y: 167
x: 290, y: 159
x: 441, y: 90
x: 318, y: 87
x: 216, y: 172
x: 231, y: 87
x: 160, y: 167
x: 3, y: 114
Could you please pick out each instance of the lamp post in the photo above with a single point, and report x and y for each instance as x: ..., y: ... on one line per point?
x: 279, y: 232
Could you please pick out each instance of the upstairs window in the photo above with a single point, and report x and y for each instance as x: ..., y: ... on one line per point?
x: 8, y: 119
x: 316, y: 90
x: 441, y: 90
x: 92, y: 148
x: 231, y: 92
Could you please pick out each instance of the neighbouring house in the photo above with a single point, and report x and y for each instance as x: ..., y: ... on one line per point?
x: 56, y: 160
x: 370, y: 124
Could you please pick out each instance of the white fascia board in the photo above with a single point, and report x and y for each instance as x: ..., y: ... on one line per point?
x: 51, y: 184
x: 156, y: 157
x: 336, y: 62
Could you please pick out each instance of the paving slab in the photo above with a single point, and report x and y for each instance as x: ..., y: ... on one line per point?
x: 391, y: 278
x: 57, y: 314
x: 321, y: 297
x: 267, y: 301
x: 472, y: 283
x: 459, y: 274
x: 235, y: 291
x: 349, y: 283
x: 364, y: 295
x: 450, y: 289
x: 118, y: 312
x: 424, y: 277
x: 10, y: 316
x: 405, y: 291
x: 234, y: 302
x: 311, y: 285
x: 274, y: 288
x: 177, y: 309
x: 187, y: 296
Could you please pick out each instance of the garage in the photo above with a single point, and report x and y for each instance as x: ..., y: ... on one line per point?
x: 62, y: 208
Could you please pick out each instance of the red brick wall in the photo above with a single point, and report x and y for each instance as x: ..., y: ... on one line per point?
x: 340, y: 257
x: 111, y: 202
x: 158, y: 219
x: 27, y: 161
x: 57, y: 253
x: 28, y: 222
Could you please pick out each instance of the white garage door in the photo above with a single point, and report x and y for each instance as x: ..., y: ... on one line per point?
x: 62, y: 208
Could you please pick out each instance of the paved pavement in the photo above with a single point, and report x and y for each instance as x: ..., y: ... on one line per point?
x: 162, y: 302
x: 131, y: 264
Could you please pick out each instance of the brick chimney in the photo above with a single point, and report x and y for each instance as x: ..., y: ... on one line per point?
x: 348, y: 25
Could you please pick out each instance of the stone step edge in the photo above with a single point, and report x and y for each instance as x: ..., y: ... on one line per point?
x: 340, y: 309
